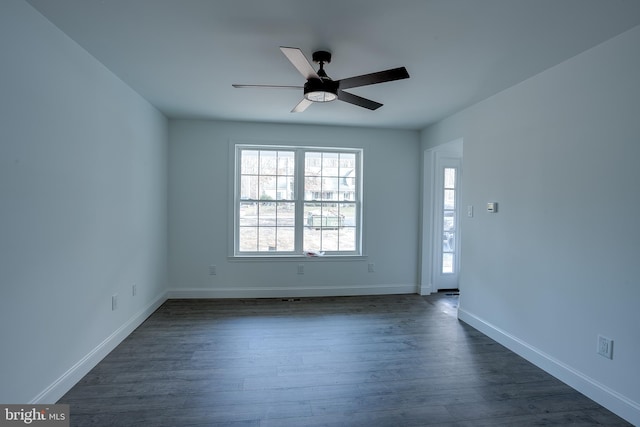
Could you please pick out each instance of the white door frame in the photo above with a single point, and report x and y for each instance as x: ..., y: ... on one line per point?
x: 431, y: 158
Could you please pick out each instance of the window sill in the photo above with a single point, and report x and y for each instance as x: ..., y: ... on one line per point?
x: 297, y: 258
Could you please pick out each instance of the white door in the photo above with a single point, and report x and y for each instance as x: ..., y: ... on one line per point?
x: 446, y: 248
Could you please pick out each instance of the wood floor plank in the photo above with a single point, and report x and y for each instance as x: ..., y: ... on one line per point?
x: 397, y: 360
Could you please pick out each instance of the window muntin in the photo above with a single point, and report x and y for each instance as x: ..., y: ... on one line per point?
x: 289, y: 200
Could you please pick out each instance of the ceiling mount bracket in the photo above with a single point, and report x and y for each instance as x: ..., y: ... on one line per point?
x: 321, y: 57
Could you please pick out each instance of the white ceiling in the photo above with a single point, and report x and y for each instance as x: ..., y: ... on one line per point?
x: 183, y: 55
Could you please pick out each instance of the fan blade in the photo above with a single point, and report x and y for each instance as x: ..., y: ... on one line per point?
x: 373, y: 78
x: 267, y: 87
x: 302, y: 105
x: 299, y: 61
x: 358, y: 100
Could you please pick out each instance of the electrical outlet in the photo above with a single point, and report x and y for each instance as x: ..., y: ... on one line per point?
x: 134, y: 290
x: 371, y: 267
x: 212, y: 270
x: 605, y: 347
x: 114, y: 302
x: 300, y: 268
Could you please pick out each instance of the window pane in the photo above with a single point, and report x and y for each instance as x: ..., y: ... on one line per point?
x: 312, y: 239
x: 347, y: 163
x: 268, y: 162
x: 267, y: 188
x: 285, y: 188
x: 248, y: 239
x: 347, y: 177
x: 449, y: 178
x: 285, y: 214
x: 449, y: 222
x: 267, y: 239
x: 347, y: 188
x: 312, y: 188
x: 312, y: 163
x: 347, y: 238
x: 266, y: 214
x: 249, y: 187
x: 330, y: 164
x: 329, y: 239
x: 330, y: 188
x: 348, y: 213
x: 286, y: 239
x: 249, y: 162
x: 313, y: 215
x: 449, y: 241
x: 286, y: 163
x: 248, y: 214
x: 447, y: 263
x: 449, y: 199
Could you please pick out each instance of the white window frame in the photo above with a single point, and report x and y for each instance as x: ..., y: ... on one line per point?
x: 299, y: 153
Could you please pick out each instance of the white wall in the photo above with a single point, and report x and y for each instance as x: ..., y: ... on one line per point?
x: 558, y: 264
x: 199, y: 171
x: 83, y: 207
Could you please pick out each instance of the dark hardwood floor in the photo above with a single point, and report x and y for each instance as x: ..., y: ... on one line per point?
x: 399, y: 360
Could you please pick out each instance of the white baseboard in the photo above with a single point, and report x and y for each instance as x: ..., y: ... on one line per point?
x: 610, y: 399
x: 426, y: 289
x: 289, y: 292
x: 67, y: 380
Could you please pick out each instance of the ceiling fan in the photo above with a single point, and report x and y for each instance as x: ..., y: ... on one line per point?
x: 321, y: 88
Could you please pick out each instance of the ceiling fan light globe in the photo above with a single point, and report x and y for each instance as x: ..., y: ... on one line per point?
x: 320, y: 96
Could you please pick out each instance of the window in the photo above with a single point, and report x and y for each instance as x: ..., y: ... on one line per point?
x: 290, y: 200
x: 449, y: 221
